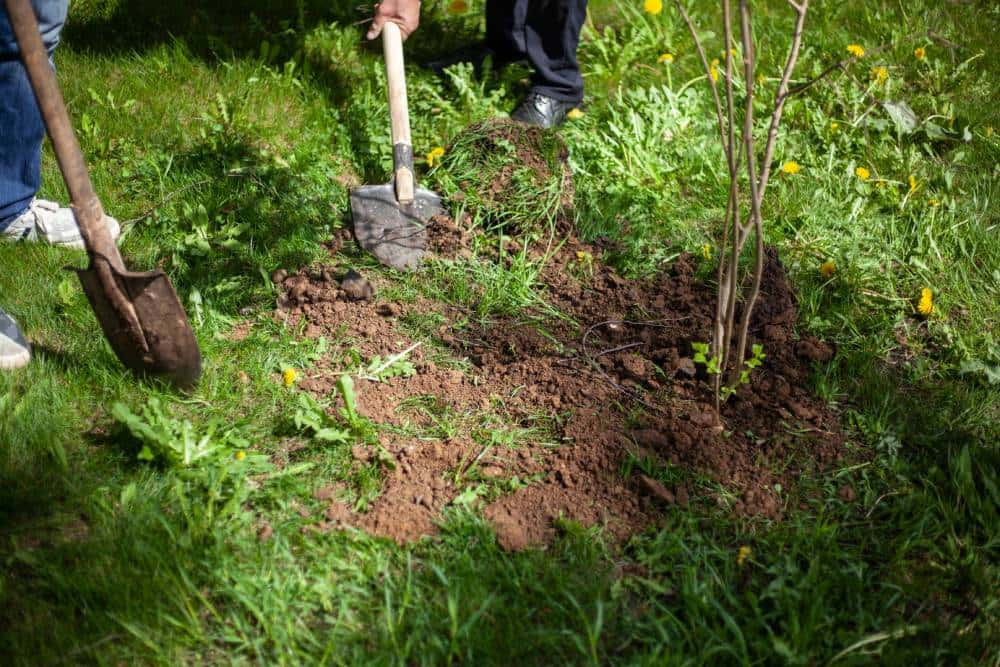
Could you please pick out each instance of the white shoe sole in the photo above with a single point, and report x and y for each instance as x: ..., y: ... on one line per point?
x: 12, y: 361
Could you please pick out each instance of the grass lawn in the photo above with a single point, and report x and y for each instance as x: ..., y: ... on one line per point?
x: 143, y: 525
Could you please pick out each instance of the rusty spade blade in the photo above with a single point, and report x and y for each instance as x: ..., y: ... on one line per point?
x: 143, y: 321
x: 390, y: 220
x: 140, y: 313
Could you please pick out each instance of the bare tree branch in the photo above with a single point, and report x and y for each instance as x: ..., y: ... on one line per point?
x: 737, y: 229
x: 708, y: 73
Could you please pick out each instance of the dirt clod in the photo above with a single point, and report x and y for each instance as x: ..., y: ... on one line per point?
x: 266, y: 532
x: 535, y: 155
x: 686, y: 368
x: 356, y: 287
x: 326, y: 493
x: 847, y: 493
x: 511, y: 535
x: 651, y: 438
x: 389, y: 310
x: 656, y: 489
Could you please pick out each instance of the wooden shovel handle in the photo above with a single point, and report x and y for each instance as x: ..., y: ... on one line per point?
x: 86, y: 206
x: 402, y: 147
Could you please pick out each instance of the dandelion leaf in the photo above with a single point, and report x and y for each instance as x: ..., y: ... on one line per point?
x: 902, y: 115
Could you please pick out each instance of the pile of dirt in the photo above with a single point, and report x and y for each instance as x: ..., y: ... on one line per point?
x: 624, y: 350
x: 630, y: 343
x: 534, y: 160
x: 320, y: 293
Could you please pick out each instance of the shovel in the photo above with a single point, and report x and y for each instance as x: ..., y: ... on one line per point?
x: 390, y: 220
x: 140, y: 313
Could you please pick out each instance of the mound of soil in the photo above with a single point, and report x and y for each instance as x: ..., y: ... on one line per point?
x: 618, y: 377
x: 533, y: 154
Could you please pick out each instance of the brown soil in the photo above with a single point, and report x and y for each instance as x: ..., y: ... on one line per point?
x: 446, y: 238
x: 625, y: 347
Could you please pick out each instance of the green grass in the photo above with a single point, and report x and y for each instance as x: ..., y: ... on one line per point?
x: 227, y: 138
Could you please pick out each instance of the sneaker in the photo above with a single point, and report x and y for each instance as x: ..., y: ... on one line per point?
x: 14, y: 349
x: 543, y: 111
x: 47, y: 222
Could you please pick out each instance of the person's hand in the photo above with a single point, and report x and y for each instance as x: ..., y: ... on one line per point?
x: 404, y: 13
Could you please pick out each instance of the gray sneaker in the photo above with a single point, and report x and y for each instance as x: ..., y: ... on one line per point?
x: 48, y: 222
x: 14, y: 349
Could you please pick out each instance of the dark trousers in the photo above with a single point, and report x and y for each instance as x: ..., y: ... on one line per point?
x: 546, y: 32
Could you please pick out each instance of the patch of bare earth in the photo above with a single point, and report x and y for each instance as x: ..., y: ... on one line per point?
x: 626, y: 345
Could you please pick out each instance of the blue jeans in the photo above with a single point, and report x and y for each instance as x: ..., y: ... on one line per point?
x: 21, y: 127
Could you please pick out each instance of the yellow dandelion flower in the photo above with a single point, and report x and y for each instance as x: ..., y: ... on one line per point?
x: 584, y: 256
x: 653, y: 7
x: 827, y: 269
x: 574, y: 114
x: 706, y: 251
x: 834, y: 126
x: 856, y: 50
x: 791, y: 167
x: 713, y: 70
x: 742, y: 555
x: 880, y: 75
x: 434, y: 156
x: 665, y: 58
x: 926, y: 304
x: 761, y: 79
x: 913, y: 184
x: 919, y: 53
x: 240, y: 455
x: 933, y: 202
x: 288, y: 376
x: 862, y: 173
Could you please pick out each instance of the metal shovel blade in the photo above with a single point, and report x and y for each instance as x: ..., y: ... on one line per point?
x: 143, y: 321
x: 395, y: 233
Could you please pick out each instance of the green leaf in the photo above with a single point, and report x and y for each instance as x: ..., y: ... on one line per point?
x: 470, y: 495
x: 902, y: 115
x: 976, y: 367
x: 330, y: 434
x: 67, y: 291
x: 346, y: 386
